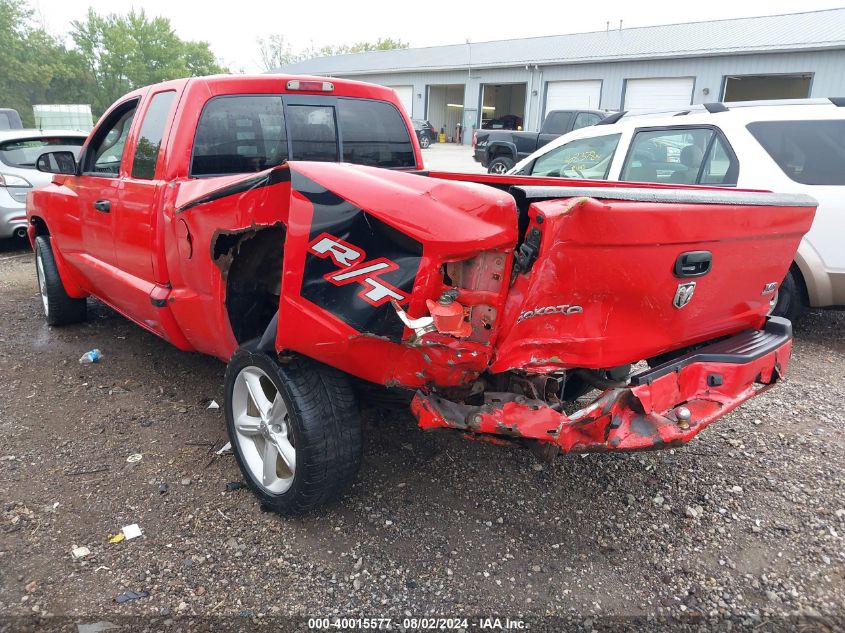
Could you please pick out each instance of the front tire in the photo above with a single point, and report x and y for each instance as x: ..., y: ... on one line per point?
x: 500, y: 165
x: 59, y: 307
x: 789, y: 301
x: 295, y: 430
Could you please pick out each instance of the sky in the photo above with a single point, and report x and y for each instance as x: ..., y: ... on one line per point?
x: 232, y: 28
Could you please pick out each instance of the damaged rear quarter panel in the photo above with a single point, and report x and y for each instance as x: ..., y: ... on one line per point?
x: 211, y: 210
x: 448, y: 222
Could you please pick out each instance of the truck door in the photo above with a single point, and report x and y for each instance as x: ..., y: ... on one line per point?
x: 98, y: 189
x: 137, y: 216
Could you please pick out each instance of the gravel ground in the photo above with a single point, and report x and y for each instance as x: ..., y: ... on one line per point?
x: 741, y: 529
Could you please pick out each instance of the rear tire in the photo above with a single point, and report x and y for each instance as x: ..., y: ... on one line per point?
x: 500, y: 165
x: 59, y: 307
x: 790, y: 299
x: 425, y: 141
x: 295, y: 430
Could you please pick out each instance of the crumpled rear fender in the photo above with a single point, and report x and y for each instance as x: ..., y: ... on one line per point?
x: 358, y: 240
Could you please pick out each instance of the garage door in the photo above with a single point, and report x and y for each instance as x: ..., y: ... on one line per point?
x: 406, y: 96
x: 573, y: 95
x: 665, y: 93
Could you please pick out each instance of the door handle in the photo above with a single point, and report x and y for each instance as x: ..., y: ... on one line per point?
x: 693, y: 264
x: 102, y: 205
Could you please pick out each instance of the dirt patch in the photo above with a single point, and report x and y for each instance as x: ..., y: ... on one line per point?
x: 434, y: 525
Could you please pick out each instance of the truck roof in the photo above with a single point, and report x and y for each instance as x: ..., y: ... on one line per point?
x: 223, y: 84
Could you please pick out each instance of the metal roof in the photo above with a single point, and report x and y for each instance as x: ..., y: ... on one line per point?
x: 812, y: 30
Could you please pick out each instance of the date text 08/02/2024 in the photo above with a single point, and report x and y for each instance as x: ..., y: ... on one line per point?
x: 415, y: 624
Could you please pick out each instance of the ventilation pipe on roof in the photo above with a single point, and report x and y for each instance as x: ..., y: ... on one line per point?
x: 620, y: 25
x: 469, y: 60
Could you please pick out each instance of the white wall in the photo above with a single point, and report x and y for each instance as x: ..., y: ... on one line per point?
x: 826, y: 66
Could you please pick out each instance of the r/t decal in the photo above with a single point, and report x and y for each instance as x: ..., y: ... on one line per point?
x: 355, y: 268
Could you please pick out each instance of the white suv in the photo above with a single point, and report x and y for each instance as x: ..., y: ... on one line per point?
x: 795, y: 146
x: 19, y: 150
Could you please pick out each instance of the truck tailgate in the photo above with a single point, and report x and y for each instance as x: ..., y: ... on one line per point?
x: 615, y: 276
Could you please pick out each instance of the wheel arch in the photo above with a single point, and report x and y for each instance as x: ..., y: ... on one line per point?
x: 251, y: 263
x: 818, y: 291
x: 39, y: 226
x: 498, y: 149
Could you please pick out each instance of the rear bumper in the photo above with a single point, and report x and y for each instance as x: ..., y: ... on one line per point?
x: 710, y: 382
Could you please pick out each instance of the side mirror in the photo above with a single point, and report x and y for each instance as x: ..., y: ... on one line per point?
x: 57, y: 163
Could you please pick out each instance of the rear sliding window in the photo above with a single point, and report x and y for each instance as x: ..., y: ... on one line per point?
x: 248, y: 133
x: 809, y: 152
x: 24, y: 152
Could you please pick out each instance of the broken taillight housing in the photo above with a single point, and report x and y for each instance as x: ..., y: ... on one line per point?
x: 480, y: 286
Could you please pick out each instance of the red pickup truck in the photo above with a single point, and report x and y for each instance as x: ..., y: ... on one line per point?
x: 285, y: 226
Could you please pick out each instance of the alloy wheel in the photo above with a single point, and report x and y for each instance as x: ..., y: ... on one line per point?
x: 263, y: 430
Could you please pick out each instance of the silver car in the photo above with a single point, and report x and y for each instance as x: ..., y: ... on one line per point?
x: 19, y: 149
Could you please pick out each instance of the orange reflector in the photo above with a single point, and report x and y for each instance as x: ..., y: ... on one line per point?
x: 310, y: 85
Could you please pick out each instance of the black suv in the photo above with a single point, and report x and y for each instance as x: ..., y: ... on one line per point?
x: 425, y: 132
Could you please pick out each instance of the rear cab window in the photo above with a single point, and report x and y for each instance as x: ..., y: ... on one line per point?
x: 374, y: 133
x: 557, y: 121
x: 585, y: 119
x: 24, y: 152
x: 808, y: 152
x: 248, y: 133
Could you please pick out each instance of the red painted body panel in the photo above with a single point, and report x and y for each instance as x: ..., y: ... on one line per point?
x: 163, y: 257
x: 604, y: 255
x: 624, y: 419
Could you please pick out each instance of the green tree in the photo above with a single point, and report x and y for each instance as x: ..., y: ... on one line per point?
x: 36, y: 67
x: 124, y: 52
x: 110, y: 56
x: 275, y: 51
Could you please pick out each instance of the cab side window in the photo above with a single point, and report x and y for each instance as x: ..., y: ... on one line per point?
x: 581, y: 158
x: 152, y: 131
x: 104, y: 154
x: 690, y: 156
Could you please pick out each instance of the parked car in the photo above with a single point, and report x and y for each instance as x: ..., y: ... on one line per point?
x: 487, y: 299
x: 499, y: 149
x: 19, y: 150
x: 426, y: 134
x: 795, y: 146
x: 10, y: 119
x: 507, y: 122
